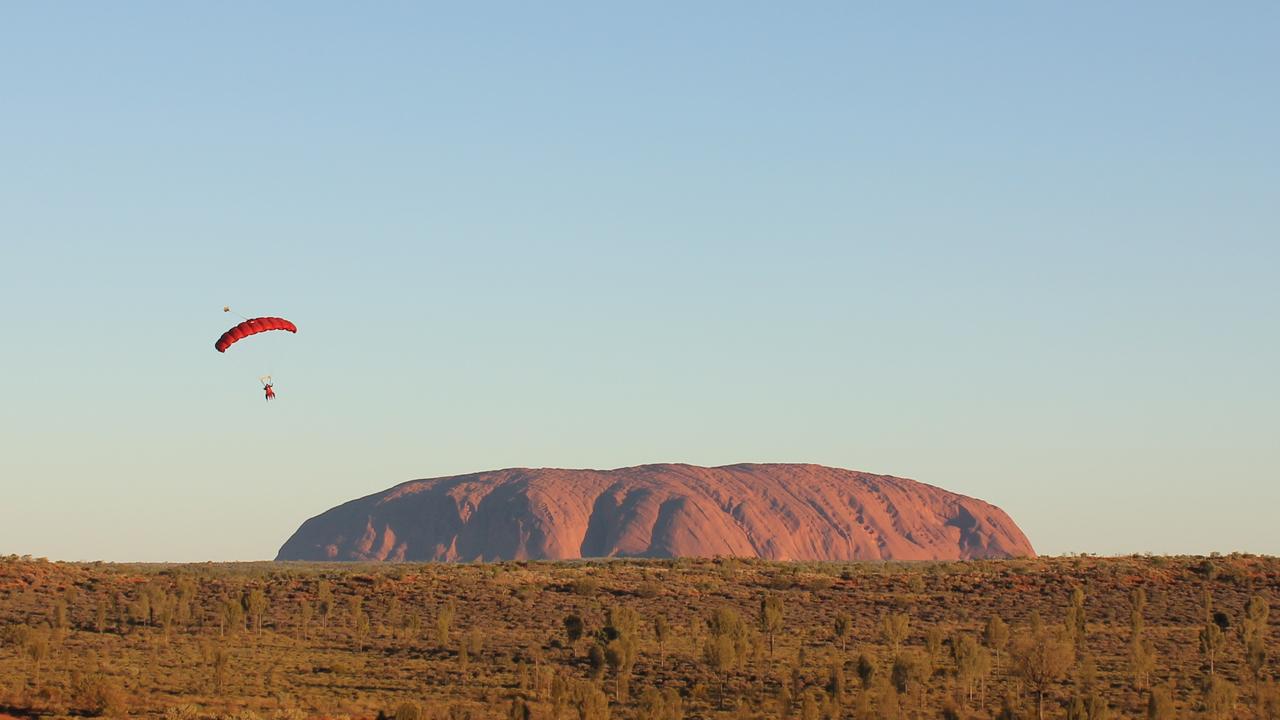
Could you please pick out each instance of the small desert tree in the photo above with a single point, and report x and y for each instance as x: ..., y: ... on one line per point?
x: 1142, y: 661
x: 232, y: 617
x: 100, y: 614
x: 394, y: 618
x: 255, y: 605
x: 661, y: 633
x: 59, y: 616
x: 519, y: 710
x: 865, y: 669
x: 1211, y: 640
x: 1160, y: 704
x: 973, y: 663
x: 1219, y: 698
x: 1137, y: 608
x: 1255, y: 642
x: 221, y: 661
x: 186, y: 586
x: 725, y: 644
x: 591, y: 702
x: 360, y: 627
x: 1268, y: 701
x: 35, y: 644
x: 574, y: 628
x: 324, y: 602
x: 98, y: 695
x: 1088, y: 707
x: 660, y: 705
x: 770, y: 619
x: 470, y: 645
x: 933, y: 644
x: 811, y: 706
x: 996, y: 636
x: 836, y: 683
x: 408, y: 711
x: 561, y: 695
x: 908, y: 674
x: 444, y: 619
x: 596, y: 661
x: 120, y: 611
x: 843, y: 629
x: 1040, y: 659
x: 894, y: 628
x: 1075, y: 622
x: 1142, y: 652
x: 140, y: 610
x: 304, y: 619
x: 355, y: 609
x: 621, y: 645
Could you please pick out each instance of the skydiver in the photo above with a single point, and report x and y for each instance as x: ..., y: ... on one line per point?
x: 266, y: 388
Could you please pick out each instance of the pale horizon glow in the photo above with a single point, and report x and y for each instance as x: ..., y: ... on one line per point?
x: 1027, y: 253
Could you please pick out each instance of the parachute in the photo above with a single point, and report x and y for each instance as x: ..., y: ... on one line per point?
x: 252, y: 326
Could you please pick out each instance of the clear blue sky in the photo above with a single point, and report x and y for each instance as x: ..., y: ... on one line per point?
x: 1028, y: 252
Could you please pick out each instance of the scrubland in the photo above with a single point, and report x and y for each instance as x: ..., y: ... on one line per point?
x: 1070, y: 637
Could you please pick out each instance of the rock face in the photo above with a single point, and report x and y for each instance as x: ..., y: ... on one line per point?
x: 779, y: 512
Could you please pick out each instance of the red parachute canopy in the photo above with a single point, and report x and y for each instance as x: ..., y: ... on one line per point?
x: 252, y: 326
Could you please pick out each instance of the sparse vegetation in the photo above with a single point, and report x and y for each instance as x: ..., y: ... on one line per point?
x: 1077, y: 637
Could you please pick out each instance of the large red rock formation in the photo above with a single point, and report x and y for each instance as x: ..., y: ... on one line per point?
x: 780, y: 512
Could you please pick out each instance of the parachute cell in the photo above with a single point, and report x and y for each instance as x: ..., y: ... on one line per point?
x: 253, y: 326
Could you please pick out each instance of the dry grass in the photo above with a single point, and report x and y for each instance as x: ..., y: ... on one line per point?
x: 507, y: 650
